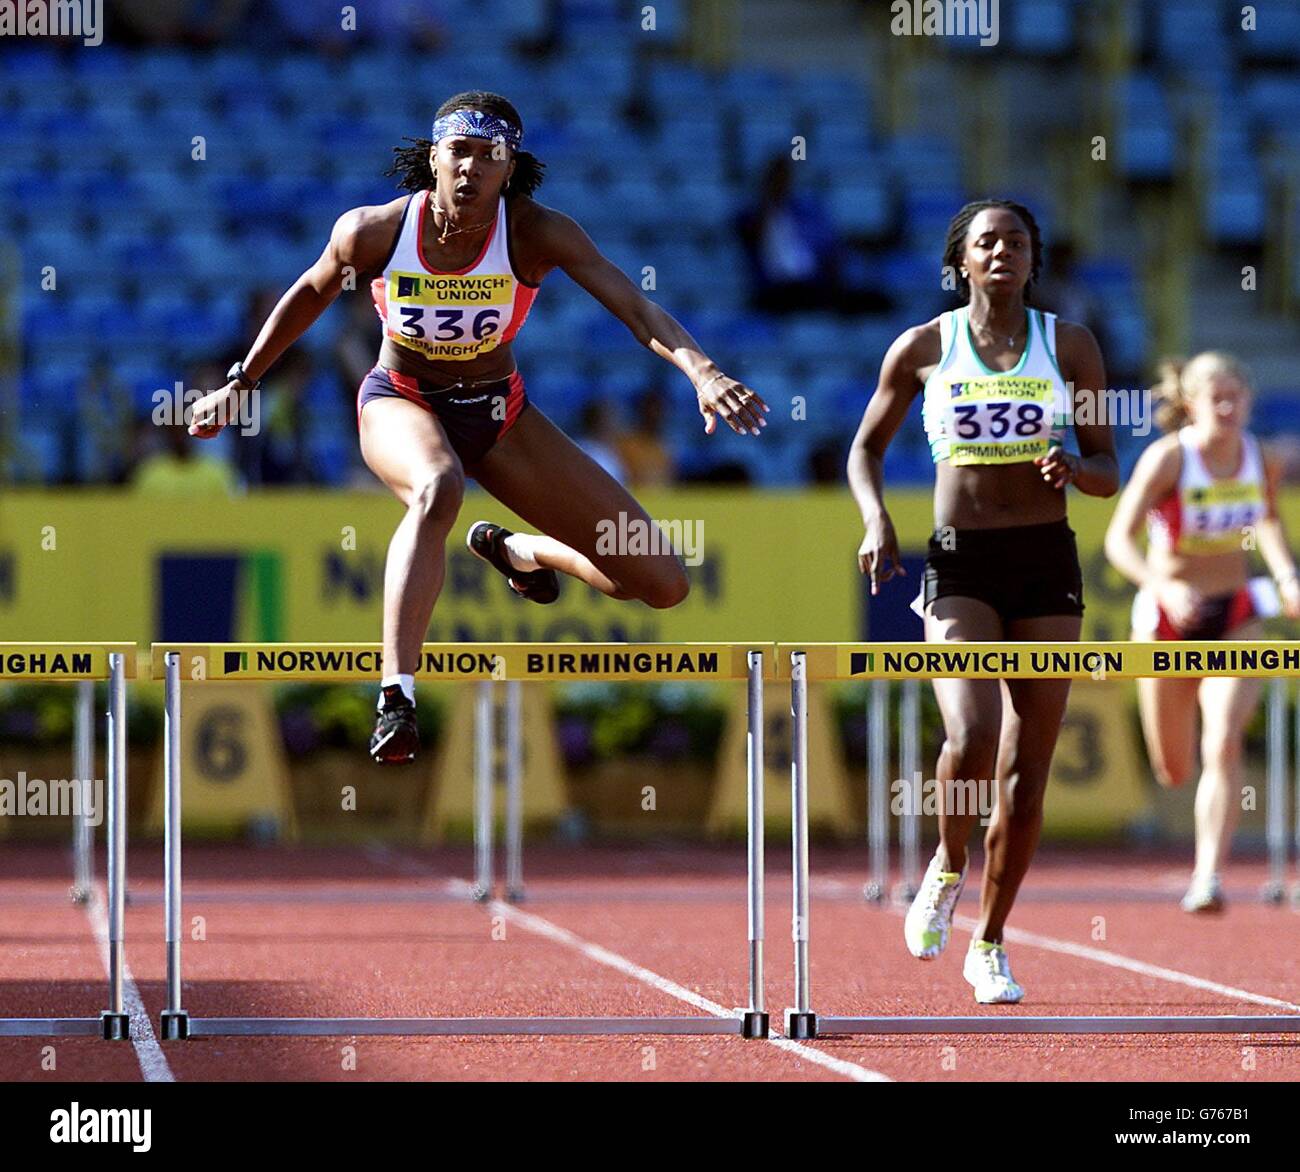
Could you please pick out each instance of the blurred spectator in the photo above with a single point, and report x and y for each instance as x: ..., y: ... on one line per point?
x: 827, y: 461
x: 105, y: 417
x: 277, y: 452
x: 190, y: 22
x: 356, y: 349
x: 1060, y: 291
x: 598, y: 436
x: 790, y: 246
x: 645, y: 457
x: 182, y: 469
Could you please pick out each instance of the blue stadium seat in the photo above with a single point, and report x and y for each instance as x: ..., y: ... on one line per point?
x: 1042, y: 27
x: 1235, y: 208
x: 1189, y: 31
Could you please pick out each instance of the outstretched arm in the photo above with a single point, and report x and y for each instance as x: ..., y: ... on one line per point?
x: 566, y: 246
x: 878, y: 555
x: 359, y: 242
x: 1154, y: 478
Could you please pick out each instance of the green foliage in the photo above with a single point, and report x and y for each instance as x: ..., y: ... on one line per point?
x: 342, y: 716
x: 43, y: 715
x: 670, y: 722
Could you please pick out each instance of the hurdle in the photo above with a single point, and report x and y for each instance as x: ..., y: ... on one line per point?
x: 909, y: 757
x: 83, y: 765
x: 482, y: 664
x: 86, y: 663
x: 922, y: 661
x: 1279, y: 772
x: 485, y: 741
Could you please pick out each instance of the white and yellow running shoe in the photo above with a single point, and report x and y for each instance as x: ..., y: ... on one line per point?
x: 988, y: 971
x: 929, y: 919
x: 1204, y: 895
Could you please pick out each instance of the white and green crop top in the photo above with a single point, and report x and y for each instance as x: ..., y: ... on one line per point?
x: 974, y: 415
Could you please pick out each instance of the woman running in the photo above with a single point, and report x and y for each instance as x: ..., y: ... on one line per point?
x: 995, y: 379
x: 1208, y: 493
x: 456, y: 266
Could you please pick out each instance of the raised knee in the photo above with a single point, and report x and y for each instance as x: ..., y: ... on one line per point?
x: 666, y: 590
x: 436, y: 500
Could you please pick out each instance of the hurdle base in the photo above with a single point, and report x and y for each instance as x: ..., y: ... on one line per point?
x: 904, y: 893
x: 480, y: 894
x: 802, y: 1026
x: 174, y: 1025
x: 515, y: 895
x: 114, y: 1027
x: 873, y: 892
x: 1273, y: 892
x: 329, y: 1027
x: 754, y: 1024
x: 80, y: 895
x: 1018, y: 1024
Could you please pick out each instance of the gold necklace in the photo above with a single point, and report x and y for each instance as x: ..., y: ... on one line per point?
x: 449, y: 229
x: 988, y: 333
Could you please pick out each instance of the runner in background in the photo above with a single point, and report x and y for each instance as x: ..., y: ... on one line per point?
x: 1207, y: 492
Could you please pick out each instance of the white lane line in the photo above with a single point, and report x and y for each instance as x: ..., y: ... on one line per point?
x: 1118, y: 961
x: 543, y: 927
x: 153, y: 1062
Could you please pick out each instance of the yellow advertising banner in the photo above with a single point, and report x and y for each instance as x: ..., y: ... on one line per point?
x: 332, y: 662
x: 1098, y: 661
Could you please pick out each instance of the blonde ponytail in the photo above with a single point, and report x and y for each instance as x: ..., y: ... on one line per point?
x: 1170, y: 403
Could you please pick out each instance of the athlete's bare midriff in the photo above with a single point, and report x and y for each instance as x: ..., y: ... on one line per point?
x: 456, y: 254
x: 988, y: 496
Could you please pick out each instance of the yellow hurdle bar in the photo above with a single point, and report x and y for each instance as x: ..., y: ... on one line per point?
x: 467, y: 661
x: 1102, y: 661
x: 63, y: 661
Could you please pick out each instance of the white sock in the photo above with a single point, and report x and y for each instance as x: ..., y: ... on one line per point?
x: 407, y: 683
x: 520, y: 548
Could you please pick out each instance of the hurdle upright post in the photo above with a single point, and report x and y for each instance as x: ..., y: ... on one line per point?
x: 756, y: 1018
x: 1295, y: 774
x: 484, y: 713
x: 1276, y: 791
x: 115, y: 1023
x: 83, y: 769
x: 909, y: 822
x: 800, y: 1022
x: 175, y: 1021
x: 877, y: 791
x: 514, y: 792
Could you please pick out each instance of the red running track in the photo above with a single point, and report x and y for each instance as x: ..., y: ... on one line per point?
x: 383, y: 933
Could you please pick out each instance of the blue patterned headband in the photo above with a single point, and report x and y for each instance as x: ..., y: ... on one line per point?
x: 476, y: 124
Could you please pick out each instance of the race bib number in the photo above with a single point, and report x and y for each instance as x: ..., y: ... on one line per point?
x: 448, y: 317
x: 999, y: 420
x: 1216, y: 517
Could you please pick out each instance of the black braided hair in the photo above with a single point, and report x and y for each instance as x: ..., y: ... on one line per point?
x: 960, y: 224
x: 411, y: 163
